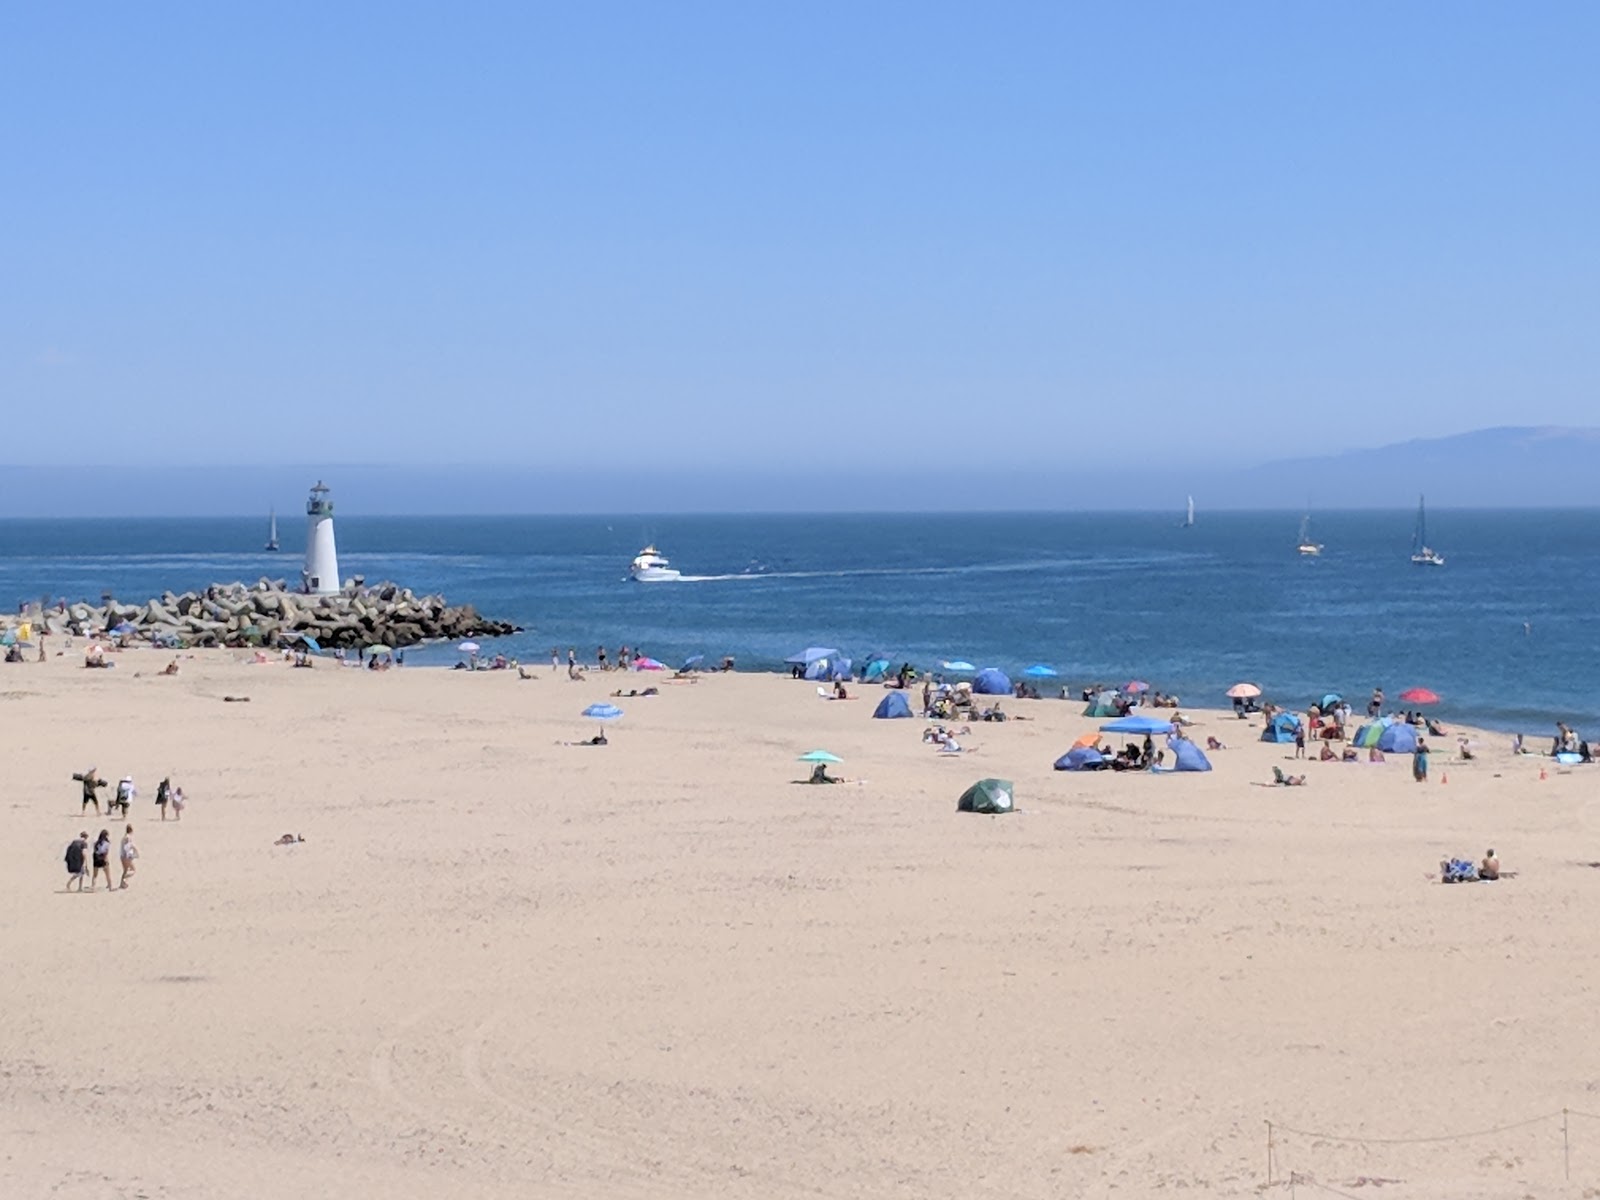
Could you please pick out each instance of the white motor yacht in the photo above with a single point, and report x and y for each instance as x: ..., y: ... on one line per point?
x: 650, y: 567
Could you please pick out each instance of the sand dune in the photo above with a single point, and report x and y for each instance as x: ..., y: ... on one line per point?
x: 660, y: 969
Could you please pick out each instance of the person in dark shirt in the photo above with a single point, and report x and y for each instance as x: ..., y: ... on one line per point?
x: 76, y: 851
x: 90, y: 783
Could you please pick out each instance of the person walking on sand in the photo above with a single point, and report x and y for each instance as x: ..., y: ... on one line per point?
x: 126, y: 794
x: 90, y: 783
x: 1299, y: 739
x: 178, y: 803
x: 1419, y: 762
x: 163, y: 796
x: 601, y: 658
x: 102, y: 859
x: 129, y: 853
x: 77, y: 861
x: 555, y: 659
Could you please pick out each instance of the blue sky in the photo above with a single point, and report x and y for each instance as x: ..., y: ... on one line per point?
x: 591, y: 235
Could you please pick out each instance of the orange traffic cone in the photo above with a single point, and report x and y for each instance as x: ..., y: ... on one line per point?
x: 1542, y: 775
x: 1444, y: 778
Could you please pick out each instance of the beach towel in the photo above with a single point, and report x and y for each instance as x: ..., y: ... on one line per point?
x: 1459, y: 870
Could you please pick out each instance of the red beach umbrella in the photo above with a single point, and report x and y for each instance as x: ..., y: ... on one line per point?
x: 1419, y: 695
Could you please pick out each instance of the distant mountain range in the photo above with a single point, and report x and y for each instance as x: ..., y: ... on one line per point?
x: 1505, y: 467
x: 1512, y: 467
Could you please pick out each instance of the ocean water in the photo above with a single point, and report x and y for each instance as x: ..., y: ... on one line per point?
x: 1508, y: 632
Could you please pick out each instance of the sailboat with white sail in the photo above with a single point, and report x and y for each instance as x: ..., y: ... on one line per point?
x: 1188, y: 515
x: 272, y: 529
x: 1307, y: 547
x: 1422, y: 554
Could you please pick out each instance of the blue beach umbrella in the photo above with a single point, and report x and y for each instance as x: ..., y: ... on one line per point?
x: 1331, y: 700
x: 692, y: 661
x: 310, y: 644
x: 820, y: 756
x: 1137, y: 725
x: 602, y: 712
x: 1040, y: 671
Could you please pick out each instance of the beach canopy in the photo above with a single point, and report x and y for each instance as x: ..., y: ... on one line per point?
x: 991, y: 681
x: 820, y: 756
x: 993, y: 796
x: 1188, y: 755
x: 810, y: 655
x: 1419, y: 695
x: 1137, y: 724
x: 1398, y: 738
x: 1040, y: 671
x: 1244, y: 691
x: 602, y: 712
x: 1080, y: 758
x: 1280, y: 729
x: 893, y: 704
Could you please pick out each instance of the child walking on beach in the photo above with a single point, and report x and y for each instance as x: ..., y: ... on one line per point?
x: 130, y: 852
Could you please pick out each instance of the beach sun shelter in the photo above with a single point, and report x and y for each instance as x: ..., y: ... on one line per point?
x: 893, y: 704
x: 1188, y: 755
x: 991, y: 681
x: 1280, y: 729
x: 1398, y: 738
x: 1080, y: 758
x: 994, y: 796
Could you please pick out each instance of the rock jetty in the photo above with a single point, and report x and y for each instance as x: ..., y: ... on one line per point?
x: 268, y: 613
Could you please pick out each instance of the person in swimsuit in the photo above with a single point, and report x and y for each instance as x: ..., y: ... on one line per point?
x: 1489, y: 868
x: 163, y: 795
x: 102, y: 859
x: 178, y: 803
x: 90, y: 783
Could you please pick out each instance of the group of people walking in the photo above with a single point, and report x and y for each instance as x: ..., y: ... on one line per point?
x: 86, y: 860
x: 80, y: 855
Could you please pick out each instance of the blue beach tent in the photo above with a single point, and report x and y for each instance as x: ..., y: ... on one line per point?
x: 1280, y: 729
x: 1188, y: 754
x: 1102, y: 704
x: 810, y: 655
x: 893, y: 705
x: 1398, y: 738
x: 877, y: 668
x: 1080, y: 758
x: 992, y: 681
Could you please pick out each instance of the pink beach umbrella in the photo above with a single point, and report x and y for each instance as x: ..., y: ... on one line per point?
x: 648, y: 664
x: 1134, y: 687
x: 1419, y: 695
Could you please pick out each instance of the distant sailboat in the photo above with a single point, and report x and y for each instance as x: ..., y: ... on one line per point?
x: 1188, y: 515
x: 272, y: 529
x: 1307, y: 547
x: 1422, y: 554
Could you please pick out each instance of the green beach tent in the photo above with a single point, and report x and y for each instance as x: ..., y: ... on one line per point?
x: 988, y: 796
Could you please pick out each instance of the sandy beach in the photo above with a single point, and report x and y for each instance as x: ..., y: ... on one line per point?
x: 659, y: 968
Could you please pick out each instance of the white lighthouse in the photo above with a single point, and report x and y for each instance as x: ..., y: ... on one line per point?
x: 321, y: 571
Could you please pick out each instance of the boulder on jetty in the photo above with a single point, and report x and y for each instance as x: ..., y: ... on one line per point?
x: 268, y: 613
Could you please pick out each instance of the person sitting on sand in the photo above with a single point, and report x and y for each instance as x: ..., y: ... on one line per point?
x: 171, y: 668
x: 838, y: 690
x: 289, y: 839
x: 1326, y: 754
x: 1351, y: 754
x: 1374, y: 755
x: 1213, y: 744
x: 1489, y: 868
x: 819, y: 774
